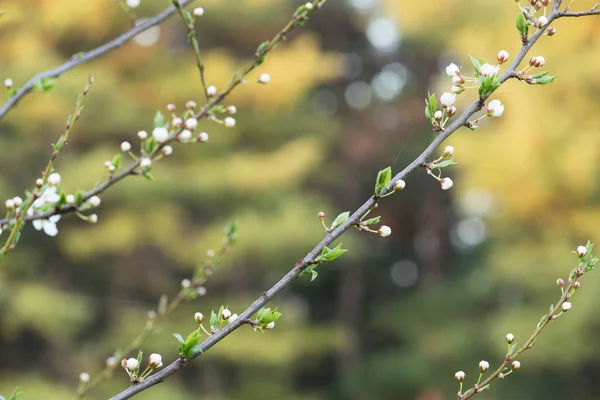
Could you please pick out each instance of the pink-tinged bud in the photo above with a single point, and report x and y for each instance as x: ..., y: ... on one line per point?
x: 202, y: 137
x: 199, y: 317
x: 560, y: 283
x: 226, y: 314
x: 230, y: 109
x: 438, y: 115
x: 502, y: 56
x: 458, y: 80
x: 177, y: 122
x: 539, y: 61
x: 484, y: 366
x: 576, y: 285
x: 167, y: 151
x: 190, y: 105
x: 542, y: 21
x: 450, y: 111
x: 566, y: 306
x: 384, y: 231
x: 399, y: 185
x: 460, y: 376
x: 545, y: 2
x: 171, y: 107
x: 581, y: 251
x: 321, y: 215
x: 532, y: 61
x: 510, y: 338
x: 537, y: 5
x: 124, y: 363
x: 515, y: 365
x: 550, y: 31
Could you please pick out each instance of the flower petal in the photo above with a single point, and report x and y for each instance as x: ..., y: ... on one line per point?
x: 50, y: 228
x: 37, y: 224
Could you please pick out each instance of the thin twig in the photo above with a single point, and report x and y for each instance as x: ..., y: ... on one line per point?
x: 331, y: 236
x: 90, y: 55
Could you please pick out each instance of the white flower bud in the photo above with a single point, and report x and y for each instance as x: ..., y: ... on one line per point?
x: 502, y: 56
x: 308, y: 6
x: 125, y: 146
x: 566, y: 306
x: 447, y: 99
x: 211, y: 90
x: 92, y: 219
x: 399, y: 185
x: 190, y: 105
x: 581, y: 251
x: 229, y: 122
x: 108, y: 164
x: 132, y: 3
x: 233, y: 318
x: 186, y: 283
x: 198, y: 12
x: 210, y: 253
x: 70, y: 199
x: 143, y: 135
x: 39, y: 183
x: 199, y: 317
x: 171, y: 107
x: 457, y: 89
x: 483, y: 366
x: 495, y: 108
x: 145, y: 162
x: 515, y: 365
x: 184, y: 135
x: 202, y: 137
x: 270, y: 325
x: 94, y: 201
x: 446, y: 183
x: 176, y: 123
x: 8, y: 83
x: 226, y: 314
x: 54, y: 179
x: 132, y: 364
x: 460, y: 376
x: 201, y: 290
x: 452, y: 70
x: 84, y: 377
x: 191, y: 123
x: 510, y: 338
x: 539, y: 61
x: 448, y: 152
x: 111, y: 362
x: 112, y: 168
x: 438, y: 115
x: 384, y: 231
x: 160, y: 134
x: 10, y: 204
x: 542, y: 21
x: 231, y: 109
x: 488, y: 70
x: 167, y: 151
x: 450, y: 111
x: 551, y: 31
x: 155, y: 361
x: 264, y: 78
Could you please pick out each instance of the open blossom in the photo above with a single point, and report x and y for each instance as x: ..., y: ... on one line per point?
x: 452, y: 70
x: 495, y: 108
x: 48, y: 225
x: 487, y: 69
x: 447, y: 99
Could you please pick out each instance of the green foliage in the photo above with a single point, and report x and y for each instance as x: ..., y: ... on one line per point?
x: 430, y: 106
x: 522, y: 25
x: 45, y: 85
x: 383, y: 178
x: 339, y: 220
x: 187, y: 346
x: 266, y: 315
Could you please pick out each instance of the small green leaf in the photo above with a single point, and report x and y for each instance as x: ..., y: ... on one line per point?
x: 45, y: 84
x: 383, y: 178
x: 266, y: 315
x: 545, y: 80
x: 179, y: 338
x: 334, y: 253
x: 522, y: 25
x: 15, y: 394
x: 299, y: 10
x: 340, y: 219
x: 444, y: 164
x: 260, y: 57
x: 150, y: 145
x: 551, y: 309
x: 314, y: 275
x: 543, y: 318
x: 371, y: 221
x: 159, y: 120
x: 217, y: 109
x: 539, y: 74
x: 116, y: 161
x: 146, y: 174
x: 79, y: 195
x: 512, y: 348
x: 188, y: 17
x: 476, y: 65
x: 486, y: 387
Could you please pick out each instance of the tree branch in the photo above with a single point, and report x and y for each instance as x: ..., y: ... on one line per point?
x: 90, y: 55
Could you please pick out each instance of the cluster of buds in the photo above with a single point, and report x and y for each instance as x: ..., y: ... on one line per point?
x: 538, y: 61
x: 444, y: 161
x: 132, y: 366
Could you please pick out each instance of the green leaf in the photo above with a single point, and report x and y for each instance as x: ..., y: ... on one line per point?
x: 266, y: 315
x: 595, y: 6
x: 79, y: 195
x: 314, y: 275
x: 512, y: 348
x: 188, y: 17
x: 539, y: 74
x: 476, y: 65
x: 260, y: 57
x: 299, y: 10
x: 332, y: 254
x: 430, y: 105
x: 486, y: 387
x: 371, y: 221
x: 45, y: 84
x: 15, y: 394
x: 159, y: 120
x: 150, y: 145
x: 551, y: 309
x: 179, y: 338
x: 146, y: 174
x: 543, y: 318
x: 217, y: 109
x: 59, y: 143
x: 340, y: 219
x: 545, y: 80
x: 383, y: 178
x: 116, y: 161
x: 444, y: 164
x: 522, y: 25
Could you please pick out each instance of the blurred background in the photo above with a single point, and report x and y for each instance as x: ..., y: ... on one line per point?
x: 394, y: 318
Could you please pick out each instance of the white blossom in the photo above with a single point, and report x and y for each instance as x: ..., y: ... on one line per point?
x: 167, y: 151
x: 48, y: 225
x: 54, y: 179
x: 155, y: 361
x: 447, y: 99
x: 515, y: 365
x: 446, y: 183
x: 226, y: 314
x: 438, y: 115
x: 229, y: 122
x: 384, y: 231
x: 581, y: 251
x: 270, y: 325
x: 202, y: 137
x: 198, y: 12
x: 199, y: 317
x: 448, y: 151
x: 233, y: 318
x: 94, y: 201
x: 487, y: 69
x: 132, y: 364
x: 145, y: 162
x: 483, y: 366
x: 160, y: 134
x: 309, y: 6
x: 231, y: 109
x: 84, y: 377
x: 460, y: 376
x: 125, y: 146
x: 399, y: 185
x: 8, y: 83
x: 191, y: 123
x: 18, y: 201
x: 70, y: 199
x: 452, y: 70
x: 566, y: 306
x: 542, y: 21
x: 502, y: 56
x: 10, y: 204
x: 176, y: 122
x: 510, y: 338
x: 190, y: 105
x: 143, y: 135
x: 264, y: 78
x: 92, y: 219
x: 495, y: 108
x: 132, y: 3
x: 184, y: 135
x: 211, y: 90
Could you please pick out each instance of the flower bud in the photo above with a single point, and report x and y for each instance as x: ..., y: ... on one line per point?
x: 198, y: 12
x: 201, y: 290
x: 502, y: 56
x: 566, y: 306
x: 581, y: 251
x: 551, y: 31
x: 84, y: 377
x: 211, y: 90
x: 483, y: 366
x: 167, y: 151
x: 452, y: 70
x: 131, y: 364
x: 8, y: 83
x: 515, y: 365
x: 70, y: 199
x: 399, y: 185
x: 191, y: 123
x: 438, y: 115
x: 190, y: 105
x: 510, y: 338
x: 92, y: 219
x: 112, y: 168
x: 186, y: 283
x: 576, y: 285
x: 202, y: 137
x: 457, y: 89
x: 229, y: 122
x: 384, y: 231
x: 184, y: 136
x: 447, y: 99
x: 539, y: 61
x: 448, y: 152
x: 264, y: 78
x: 111, y: 362
x: 176, y: 123
x: 10, y: 204
x: 54, y: 179
x: 458, y: 80
x: 171, y: 107
x: 542, y: 21
x: 560, y: 283
x: 155, y: 361
x: 39, y: 183
x: 143, y: 135
x: 199, y: 317
x: 226, y: 314
x: 160, y: 134
x: 94, y: 201
x: 537, y: 5
x: 309, y: 6
x: 145, y: 162
x: 450, y: 111
x: 230, y: 109
x: 18, y: 201
x: 125, y: 146
x: 446, y: 183
x: 321, y: 215
x: 460, y: 376
x: 233, y: 318
x: 270, y: 325
x: 132, y: 3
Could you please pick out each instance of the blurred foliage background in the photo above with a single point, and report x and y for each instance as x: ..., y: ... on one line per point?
x: 393, y: 318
